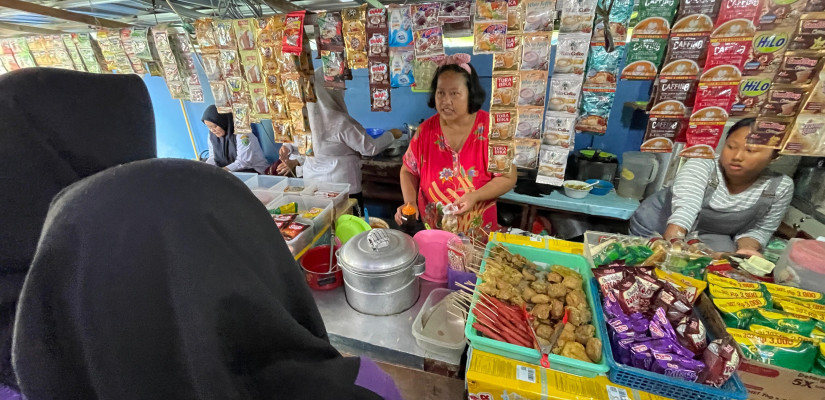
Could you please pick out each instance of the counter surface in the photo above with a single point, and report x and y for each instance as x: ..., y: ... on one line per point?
x: 383, y: 338
x: 609, y: 205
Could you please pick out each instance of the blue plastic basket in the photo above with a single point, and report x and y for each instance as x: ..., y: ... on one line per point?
x: 658, y: 384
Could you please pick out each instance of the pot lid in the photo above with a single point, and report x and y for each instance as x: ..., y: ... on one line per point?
x: 378, y: 251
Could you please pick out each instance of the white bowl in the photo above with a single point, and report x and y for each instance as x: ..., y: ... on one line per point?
x: 575, y: 193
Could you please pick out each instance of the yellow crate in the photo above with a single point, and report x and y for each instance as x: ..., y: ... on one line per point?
x: 493, y: 377
x: 541, y: 242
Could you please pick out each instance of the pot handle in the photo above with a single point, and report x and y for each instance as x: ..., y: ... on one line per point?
x: 419, y: 265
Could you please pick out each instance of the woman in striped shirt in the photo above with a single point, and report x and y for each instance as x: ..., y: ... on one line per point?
x: 734, y: 203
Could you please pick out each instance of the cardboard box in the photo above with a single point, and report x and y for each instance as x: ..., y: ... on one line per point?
x: 765, y: 381
x: 493, y: 377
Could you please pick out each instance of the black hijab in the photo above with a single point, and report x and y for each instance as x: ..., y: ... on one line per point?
x: 145, y: 286
x: 224, y: 147
x: 57, y: 127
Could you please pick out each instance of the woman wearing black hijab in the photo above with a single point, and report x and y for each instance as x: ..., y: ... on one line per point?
x: 129, y: 297
x: 57, y: 127
x: 229, y: 151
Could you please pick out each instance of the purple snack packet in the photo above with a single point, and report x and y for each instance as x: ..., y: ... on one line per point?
x: 668, y: 345
x: 677, y: 366
x: 623, y: 353
x: 660, y: 327
x: 611, y: 306
x: 641, y: 356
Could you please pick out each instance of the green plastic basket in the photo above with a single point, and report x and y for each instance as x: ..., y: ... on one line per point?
x: 532, y: 356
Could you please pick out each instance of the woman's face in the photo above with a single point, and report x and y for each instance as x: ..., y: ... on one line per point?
x: 740, y: 159
x: 451, y: 96
x: 215, y: 129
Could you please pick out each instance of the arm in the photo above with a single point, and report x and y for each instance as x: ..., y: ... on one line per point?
x: 688, y: 193
x: 357, y: 139
x: 757, y: 237
x: 211, y: 159
x: 410, y: 179
x: 246, y: 145
x: 498, y: 186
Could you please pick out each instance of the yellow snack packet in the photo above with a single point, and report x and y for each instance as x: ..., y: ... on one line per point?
x: 719, y: 292
x: 798, y: 308
x: 764, y: 330
x: 732, y: 283
x: 734, y: 305
x: 312, y: 213
x: 787, y: 291
x: 288, y: 208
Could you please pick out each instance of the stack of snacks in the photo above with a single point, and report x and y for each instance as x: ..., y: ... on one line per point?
x: 130, y: 50
x: 379, y: 59
x: 607, y: 48
x: 246, y: 32
x: 687, y: 258
x: 182, y: 48
x: 652, y: 326
x: 144, y: 50
x: 331, y: 48
x: 22, y: 56
x: 773, y: 324
x: 428, y: 33
x: 90, y: 52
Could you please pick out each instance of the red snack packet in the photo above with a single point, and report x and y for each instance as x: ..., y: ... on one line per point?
x: 692, y: 334
x: 294, y: 32
x: 741, y: 10
x: 731, y: 51
x: 722, y: 360
x: 293, y: 230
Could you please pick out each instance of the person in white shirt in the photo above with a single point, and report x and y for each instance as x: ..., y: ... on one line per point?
x: 338, y: 141
x: 230, y: 151
x: 734, y: 203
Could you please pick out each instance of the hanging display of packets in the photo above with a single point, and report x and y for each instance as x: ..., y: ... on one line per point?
x: 22, y: 55
x: 552, y: 165
x: 646, y: 49
x: 716, y: 92
x: 145, y: 51
x: 577, y: 16
x: 90, y: 52
x: 355, y: 36
x: 511, y: 58
x: 538, y: 15
x: 131, y: 51
x: 490, y: 27
x: 559, y: 130
x: 171, y: 71
x: 73, y: 53
x: 379, y: 59
x: 116, y: 58
x: 331, y: 47
x: 400, y: 25
x: 455, y: 18
x: 7, y: 56
x: 185, y: 55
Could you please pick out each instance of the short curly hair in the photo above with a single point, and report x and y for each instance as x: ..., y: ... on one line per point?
x: 476, y: 92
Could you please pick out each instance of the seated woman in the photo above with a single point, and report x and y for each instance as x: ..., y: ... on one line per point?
x: 195, y: 301
x: 447, y: 160
x: 235, y: 153
x: 734, y: 203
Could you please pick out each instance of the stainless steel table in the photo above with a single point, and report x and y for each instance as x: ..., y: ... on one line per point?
x: 382, y: 338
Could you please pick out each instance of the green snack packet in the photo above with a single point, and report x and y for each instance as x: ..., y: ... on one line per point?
x: 783, y: 351
x: 783, y: 321
x: 644, y: 56
x: 658, y: 8
x: 819, y: 363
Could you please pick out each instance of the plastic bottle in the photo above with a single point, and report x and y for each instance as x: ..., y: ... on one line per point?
x: 408, y: 220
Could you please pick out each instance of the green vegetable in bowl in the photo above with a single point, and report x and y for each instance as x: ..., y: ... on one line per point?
x: 576, y: 186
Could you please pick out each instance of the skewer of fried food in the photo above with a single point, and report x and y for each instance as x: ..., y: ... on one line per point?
x: 469, y: 299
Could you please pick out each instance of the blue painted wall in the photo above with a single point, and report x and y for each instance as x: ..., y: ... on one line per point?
x: 173, y: 139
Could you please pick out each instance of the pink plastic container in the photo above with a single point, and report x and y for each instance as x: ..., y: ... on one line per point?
x: 432, y: 244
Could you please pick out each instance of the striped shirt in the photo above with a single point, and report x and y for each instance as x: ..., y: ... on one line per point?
x: 689, y: 190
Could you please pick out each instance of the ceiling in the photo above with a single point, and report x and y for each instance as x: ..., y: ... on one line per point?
x: 18, y: 18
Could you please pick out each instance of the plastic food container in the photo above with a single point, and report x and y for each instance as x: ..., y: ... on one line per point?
x: 341, y: 188
x: 267, y: 196
x: 602, y: 187
x: 658, y: 384
x: 270, y: 182
x: 315, y: 264
x: 320, y: 222
x: 804, y: 258
x: 532, y: 356
x: 575, y: 193
x: 298, y: 243
x: 244, y: 176
x: 437, y: 330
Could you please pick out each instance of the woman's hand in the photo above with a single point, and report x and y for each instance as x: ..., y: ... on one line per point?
x: 466, y: 203
x: 283, y: 154
x: 674, y: 231
x: 399, y: 215
x: 286, y: 166
x: 748, y: 247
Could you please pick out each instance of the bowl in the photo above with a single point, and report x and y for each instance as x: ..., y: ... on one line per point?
x: 347, y: 226
x: 602, y: 187
x: 575, y: 193
x: 375, y: 132
x: 378, y: 223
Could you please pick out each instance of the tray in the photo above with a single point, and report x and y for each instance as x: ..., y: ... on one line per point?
x: 659, y: 384
x: 532, y: 356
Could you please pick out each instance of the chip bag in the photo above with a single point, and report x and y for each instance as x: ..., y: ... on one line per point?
x: 783, y: 351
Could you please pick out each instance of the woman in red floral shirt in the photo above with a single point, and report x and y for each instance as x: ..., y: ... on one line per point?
x: 447, y: 160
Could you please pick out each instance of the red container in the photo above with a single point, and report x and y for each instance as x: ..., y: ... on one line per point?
x: 315, y: 264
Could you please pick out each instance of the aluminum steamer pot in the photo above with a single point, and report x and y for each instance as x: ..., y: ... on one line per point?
x: 381, y: 269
